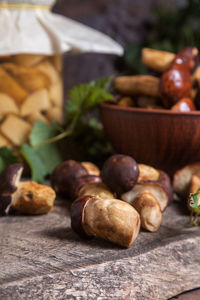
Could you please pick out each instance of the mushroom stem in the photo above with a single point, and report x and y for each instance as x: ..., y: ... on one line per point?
x: 149, y: 210
x: 157, y: 60
x: 110, y: 219
x: 141, y: 84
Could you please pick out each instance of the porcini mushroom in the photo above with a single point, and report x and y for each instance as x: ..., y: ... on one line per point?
x: 120, y: 173
x: 154, y: 197
x: 27, y: 197
x: 33, y: 198
x: 188, y: 57
x: 175, y: 84
x: 91, y: 168
x: 64, y: 175
x: 110, y: 219
x: 80, y: 182
x: 9, y: 180
x: 98, y: 189
x: 182, y: 178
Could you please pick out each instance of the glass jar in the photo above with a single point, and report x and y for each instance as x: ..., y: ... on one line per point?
x: 31, y: 89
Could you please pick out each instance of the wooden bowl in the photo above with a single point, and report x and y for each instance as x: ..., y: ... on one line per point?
x: 162, y: 138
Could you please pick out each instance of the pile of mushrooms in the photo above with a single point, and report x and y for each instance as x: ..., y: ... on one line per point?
x: 176, y: 85
x: 113, y: 203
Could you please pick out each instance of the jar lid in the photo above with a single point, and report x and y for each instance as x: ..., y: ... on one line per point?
x: 26, y: 4
x: 30, y: 27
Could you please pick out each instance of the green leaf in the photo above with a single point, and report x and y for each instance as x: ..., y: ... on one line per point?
x: 7, y: 157
x: 41, y: 132
x: 86, y: 97
x: 49, y: 154
x: 38, y: 169
x: 103, y: 83
x: 195, y: 200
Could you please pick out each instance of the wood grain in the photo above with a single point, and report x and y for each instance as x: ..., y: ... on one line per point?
x: 41, y: 258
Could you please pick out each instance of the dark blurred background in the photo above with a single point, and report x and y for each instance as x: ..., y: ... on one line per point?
x: 134, y: 24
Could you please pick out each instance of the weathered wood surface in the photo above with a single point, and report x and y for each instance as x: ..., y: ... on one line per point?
x: 41, y: 258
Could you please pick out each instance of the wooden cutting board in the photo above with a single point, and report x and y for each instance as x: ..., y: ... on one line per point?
x: 42, y: 258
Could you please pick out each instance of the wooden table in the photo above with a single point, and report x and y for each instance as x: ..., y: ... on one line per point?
x: 42, y: 258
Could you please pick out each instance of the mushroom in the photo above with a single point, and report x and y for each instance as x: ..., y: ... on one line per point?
x: 157, y: 60
x: 95, y: 189
x: 165, y: 181
x: 175, y: 84
x: 138, y: 85
x: 91, y: 168
x: 80, y: 182
x: 184, y: 105
x: 33, y: 198
x: 120, y: 173
x: 27, y: 197
x: 64, y: 175
x: 154, y: 197
x: 149, y: 209
x: 147, y: 173
x: 9, y: 180
x: 188, y: 57
x: 182, y: 178
x: 110, y: 219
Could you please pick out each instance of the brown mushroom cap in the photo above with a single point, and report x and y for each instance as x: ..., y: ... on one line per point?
x: 175, y: 84
x: 120, y: 173
x: 77, y: 215
x: 64, y: 175
x: 152, y: 187
x: 9, y: 180
x: 188, y: 57
x: 182, y: 178
x: 165, y: 180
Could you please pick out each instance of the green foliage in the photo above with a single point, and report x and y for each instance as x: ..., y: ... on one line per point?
x: 7, y: 157
x: 194, y: 202
x: 172, y: 31
x: 42, y: 159
x: 84, y: 98
x: 38, y: 171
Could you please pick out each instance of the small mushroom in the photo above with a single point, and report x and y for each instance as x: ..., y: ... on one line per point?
x: 153, y: 187
x: 175, y: 84
x: 109, y: 219
x: 149, y: 209
x: 147, y: 173
x: 33, y: 198
x: 182, y: 178
x: 188, y: 57
x: 120, y: 173
x: 9, y: 180
x: 154, y: 196
x: 184, y: 105
x: 64, y: 175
